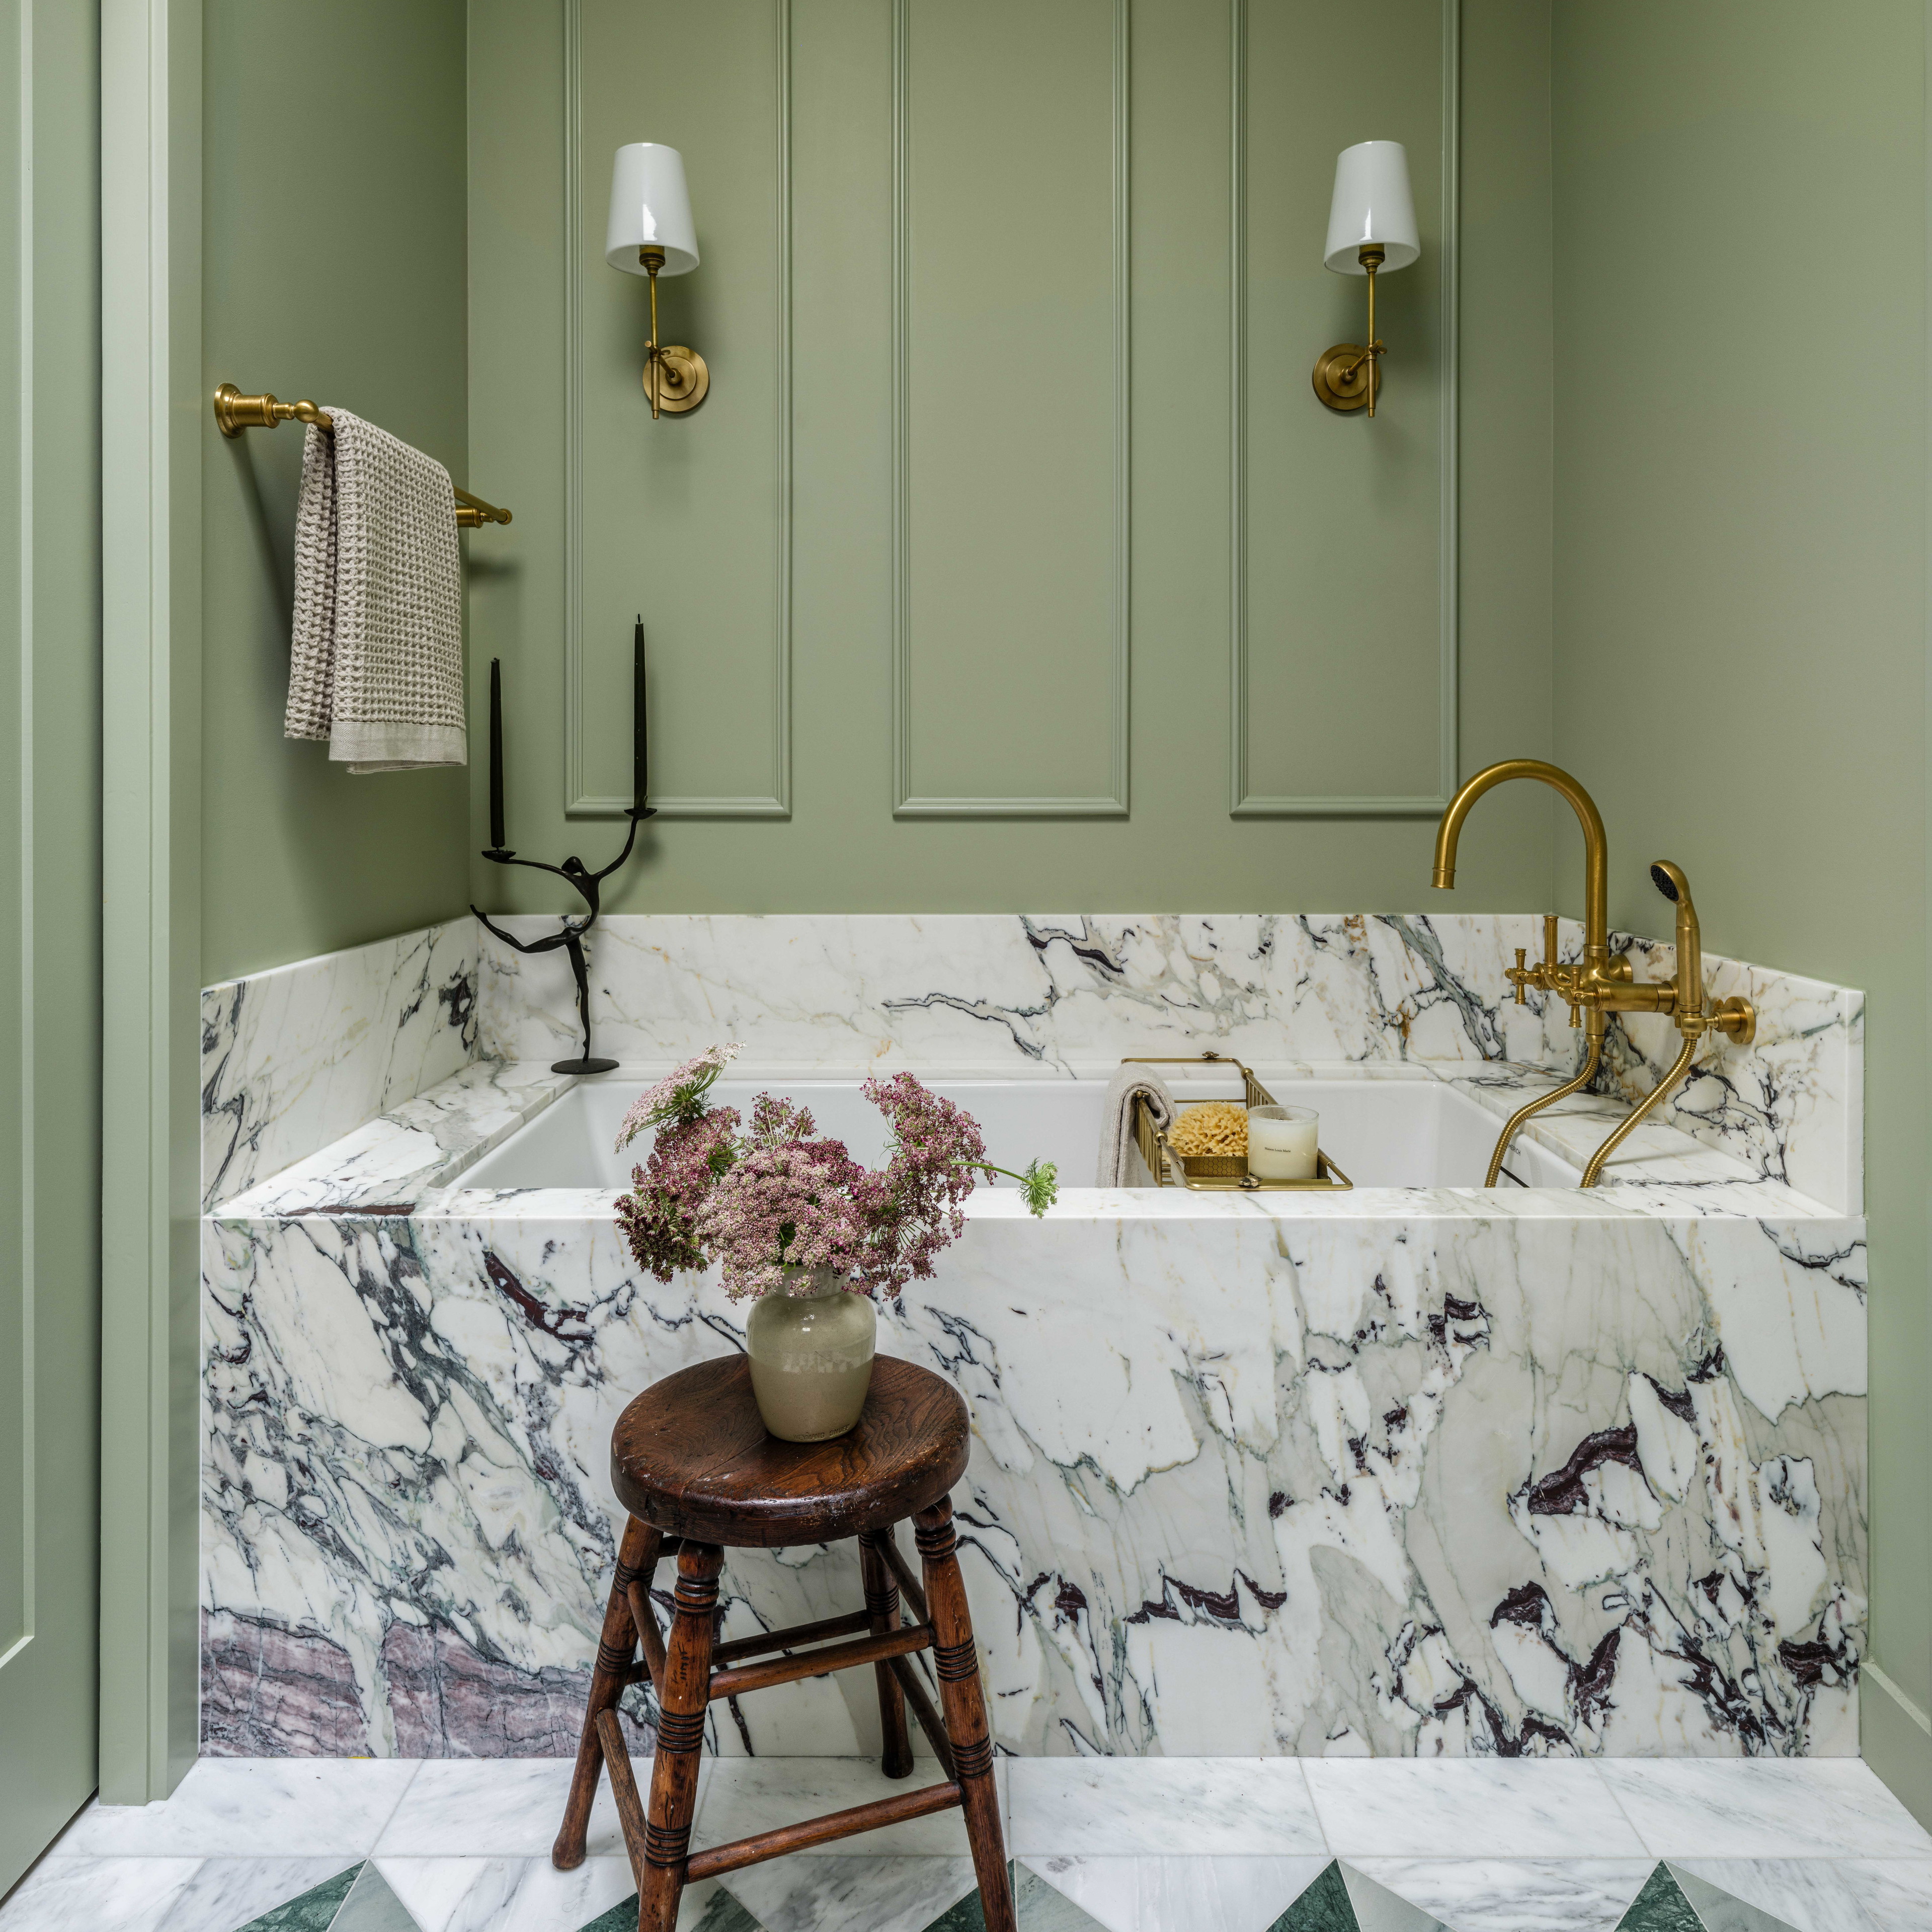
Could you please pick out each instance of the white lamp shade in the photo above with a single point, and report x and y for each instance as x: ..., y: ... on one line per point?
x: 1372, y: 207
x: 650, y: 208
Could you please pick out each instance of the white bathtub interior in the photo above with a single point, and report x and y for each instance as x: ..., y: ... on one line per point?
x: 1381, y: 1133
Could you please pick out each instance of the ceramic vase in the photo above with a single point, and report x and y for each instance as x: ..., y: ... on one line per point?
x: 811, y: 1344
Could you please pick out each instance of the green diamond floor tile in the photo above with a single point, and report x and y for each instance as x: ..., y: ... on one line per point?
x: 1661, y: 1907
x: 311, y: 1911
x: 1343, y: 1900
x: 1324, y: 1907
x: 371, y: 1906
x: 1718, y: 1911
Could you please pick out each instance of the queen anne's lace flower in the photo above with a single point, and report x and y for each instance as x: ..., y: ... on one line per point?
x: 679, y: 1097
x: 781, y: 1199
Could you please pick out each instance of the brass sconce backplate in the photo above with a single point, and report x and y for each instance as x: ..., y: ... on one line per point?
x: 683, y: 381
x: 1343, y: 377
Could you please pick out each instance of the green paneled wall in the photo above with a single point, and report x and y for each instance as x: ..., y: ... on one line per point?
x: 334, y: 268
x: 940, y: 582
x: 1740, y: 567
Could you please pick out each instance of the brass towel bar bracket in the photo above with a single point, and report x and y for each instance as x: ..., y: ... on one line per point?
x: 235, y: 412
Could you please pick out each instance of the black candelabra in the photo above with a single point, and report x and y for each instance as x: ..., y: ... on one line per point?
x: 569, y: 937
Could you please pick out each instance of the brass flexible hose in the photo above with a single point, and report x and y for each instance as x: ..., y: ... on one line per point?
x: 1536, y: 1106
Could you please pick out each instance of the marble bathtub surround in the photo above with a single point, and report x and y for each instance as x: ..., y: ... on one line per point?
x: 1404, y: 1472
x: 294, y: 1058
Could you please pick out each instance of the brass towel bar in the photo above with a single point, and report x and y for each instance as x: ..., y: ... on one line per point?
x: 234, y: 412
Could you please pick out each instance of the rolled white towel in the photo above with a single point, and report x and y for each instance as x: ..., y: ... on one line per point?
x: 1121, y: 1164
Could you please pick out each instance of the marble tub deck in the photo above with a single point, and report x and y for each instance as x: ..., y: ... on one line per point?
x: 1125, y: 1845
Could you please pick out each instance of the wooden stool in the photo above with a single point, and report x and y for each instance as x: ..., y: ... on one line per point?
x: 691, y: 1460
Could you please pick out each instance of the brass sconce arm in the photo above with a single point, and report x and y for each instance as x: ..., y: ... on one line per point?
x: 675, y: 378
x: 1349, y: 375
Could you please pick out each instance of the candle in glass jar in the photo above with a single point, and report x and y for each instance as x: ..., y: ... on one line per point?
x: 1281, y: 1143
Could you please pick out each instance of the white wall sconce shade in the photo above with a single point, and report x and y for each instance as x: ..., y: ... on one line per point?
x: 650, y: 231
x: 1371, y: 226
x: 1371, y: 208
x: 650, y: 208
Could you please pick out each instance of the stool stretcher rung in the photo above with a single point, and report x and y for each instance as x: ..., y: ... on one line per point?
x: 744, y: 1677
x: 790, y: 1639
x: 821, y: 1831
x: 644, y: 1619
x: 928, y: 1718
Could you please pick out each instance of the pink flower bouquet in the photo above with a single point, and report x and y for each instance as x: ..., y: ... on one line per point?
x: 776, y: 1202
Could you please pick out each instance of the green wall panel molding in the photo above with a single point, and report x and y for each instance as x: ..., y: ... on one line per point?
x: 1011, y: 428
x: 690, y: 518
x: 1740, y: 557
x: 856, y: 751
x: 1360, y: 613
x: 343, y: 282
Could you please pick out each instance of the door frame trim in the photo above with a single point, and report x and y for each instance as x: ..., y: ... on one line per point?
x: 154, y: 417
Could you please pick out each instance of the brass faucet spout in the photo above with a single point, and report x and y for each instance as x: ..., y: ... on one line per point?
x: 1596, y: 852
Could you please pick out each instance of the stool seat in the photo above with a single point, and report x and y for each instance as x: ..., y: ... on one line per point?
x: 691, y: 1457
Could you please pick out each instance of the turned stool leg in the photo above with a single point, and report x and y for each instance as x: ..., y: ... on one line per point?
x: 882, y: 1600
x: 958, y: 1664
x: 637, y: 1559
x: 687, y: 1695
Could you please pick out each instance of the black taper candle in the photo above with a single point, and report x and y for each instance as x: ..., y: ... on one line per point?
x: 640, y: 751
x: 496, y: 755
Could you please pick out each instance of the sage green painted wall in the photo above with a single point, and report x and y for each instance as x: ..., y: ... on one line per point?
x: 682, y: 519
x: 50, y: 879
x: 334, y: 268
x: 1740, y: 570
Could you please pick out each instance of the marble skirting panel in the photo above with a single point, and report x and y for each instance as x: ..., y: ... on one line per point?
x: 294, y: 1058
x: 1021, y: 995
x: 1790, y: 1105
x: 1420, y: 1473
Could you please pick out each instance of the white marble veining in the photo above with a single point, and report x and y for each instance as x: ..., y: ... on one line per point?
x: 480, y: 1807
x: 1116, y: 1807
x: 1156, y: 1893
x: 127, y: 1894
x: 1516, y: 1894
x: 1020, y: 993
x: 294, y: 1058
x: 515, y: 1894
x: 227, y: 1892
x: 319, y: 1808
x: 1828, y: 1895
x: 1769, y: 1808
x: 883, y: 1894
x: 1500, y: 1808
x: 406, y: 1153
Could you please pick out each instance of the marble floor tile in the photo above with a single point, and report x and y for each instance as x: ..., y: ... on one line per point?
x: 372, y: 1906
x: 1763, y: 1808
x: 1516, y: 1894
x: 293, y: 1807
x: 882, y: 1894
x: 745, y: 1794
x: 1828, y: 1894
x: 1467, y: 1807
x: 513, y: 1894
x: 228, y: 1893
x: 1895, y: 1892
x: 500, y: 1808
x: 65, y: 1894
x: 1181, y: 1895
x: 1173, y: 1806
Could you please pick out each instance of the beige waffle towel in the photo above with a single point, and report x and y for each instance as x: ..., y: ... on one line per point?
x: 375, y: 662
x: 1121, y: 1162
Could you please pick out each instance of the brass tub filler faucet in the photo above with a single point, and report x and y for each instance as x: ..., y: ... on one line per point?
x: 1596, y: 985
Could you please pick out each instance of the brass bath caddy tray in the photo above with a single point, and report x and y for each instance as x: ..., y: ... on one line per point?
x: 1217, y: 1173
